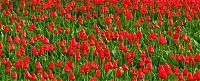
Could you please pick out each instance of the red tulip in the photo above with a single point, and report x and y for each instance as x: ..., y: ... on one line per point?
x: 70, y: 64
x: 11, y: 47
x: 23, y: 41
x: 134, y: 78
x: 73, y: 42
x: 26, y: 13
x: 178, y: 29
x: 16, y: 39
x: 57, y: 6
x: 125, y: 67
x: 152, y: 36
x: 145, y: 70
x: 171, y: 22
x: 190, y: 47
x: 178, y: 58
x: 176, y: 70
x: 34, y: 50
x: 60, y: 79
x: 120, y: 27
x: 137, y: 23
x: 67, y: 69
x: 27, y: 74
x: 31, y: 40
x: 59, y: 63
x: 98, y: 73
x: 80, y: 20
x: 162, y: 39
x: 38, y: 66
x: 180, y: 76
x: 9, y: 63
x: 9, y: 39
x: 149, y: 66
x: 34, y: 77
x: 185, y: 71
x: 94, y: 14
x: 88, y: 15
x: 14, y: 75
x: 121, y: 46
x: 25, y: 65
x: 115, y: 64
x: 41, y: 50
x: 107, y: 67
x: 167, y: 68
x: 46, y: 40
x: 149, y: 25
x: 78, y: 55
x: 45, y: 75
x: 53, y: 79
x: 64, y: 50
x: 94, y: 65
x: 107, y: 20
x: 53, y: 14
x: 87, y: 66
x: 184, y: 37
x: 143, y: 53
x: 188, y: 40
x: 162, y: 74
x: 128, y: 15
x: 32, y: 27
x: 6, y: 12
x: 176, y: 35
x: 160, y: 23
x: 150, y: 49
x: 128, y: 55
x: 139, y: 34
x: 169, y: 31
x: 133, y: 72
x: 56, y: 32
x: 27, y: 59
x: 21, y: 23
x: 67, y: 30
x: 71, y: 76
x: 83, y: 8
x: 3, y: 61
x: 181, y: 23
x: 140, y: 74
x: 118, y: 73
x: 1, y: 52
x: 181, y: 47
x: 17, y: 27
x: 93, y: 79
x: 50, y: 75
x: 51, y: 65
x: 189, y: 77
x: 85, y: 46
x: 62, y: 11
x: 1, y: 45
x: 96, y: 28
x: 6, y: 29
x: 129, y: 62
x: 18, y: 64
x: 148, y: 18
x: 7, y: 70
x: 68, y: 16
x: 82, y: 70
x: 141, y: 19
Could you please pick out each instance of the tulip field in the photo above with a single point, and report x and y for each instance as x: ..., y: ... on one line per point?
x: 99, y: 40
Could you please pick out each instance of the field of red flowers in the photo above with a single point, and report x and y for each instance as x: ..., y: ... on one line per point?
x: 99, y: 40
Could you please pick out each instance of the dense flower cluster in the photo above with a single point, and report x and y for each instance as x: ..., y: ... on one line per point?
x: 92, y: 40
